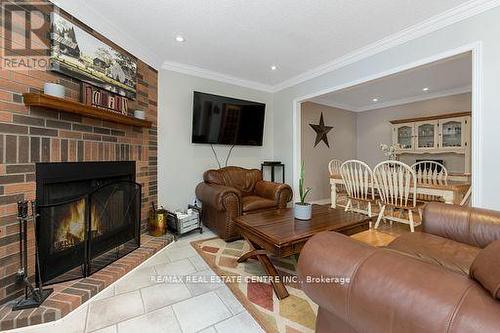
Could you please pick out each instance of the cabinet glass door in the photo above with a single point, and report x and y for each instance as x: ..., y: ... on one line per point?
x: 426, y: 135
x: 451, y: 133
x: 405, y: 137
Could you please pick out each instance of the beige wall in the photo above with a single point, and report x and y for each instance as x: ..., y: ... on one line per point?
x: 342, y: 139
x: 373, y: 128
x: 181, y: 163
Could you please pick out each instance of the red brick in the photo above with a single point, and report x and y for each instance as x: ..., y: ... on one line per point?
x: 13, y: 107
x: 63, y: 145
x: 72, y: 151
x: 87, y: 155
x: 6, y: 117
x: 55, y: 150
x: 70, y: 135
x: 73, y: 300
x: 19, y: 188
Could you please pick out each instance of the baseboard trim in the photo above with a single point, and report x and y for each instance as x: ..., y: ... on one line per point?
x: 322, y: 201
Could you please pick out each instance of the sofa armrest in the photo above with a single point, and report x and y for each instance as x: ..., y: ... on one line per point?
x: 281, y: 193
x: 218, y: 196
x: 473, y: 226
x: 387, y: 291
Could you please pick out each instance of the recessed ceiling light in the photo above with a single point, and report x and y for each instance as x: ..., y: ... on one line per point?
x: 274, y: 67
x: 180, y: 39
x: 375, y: 100
x: 425, y: 89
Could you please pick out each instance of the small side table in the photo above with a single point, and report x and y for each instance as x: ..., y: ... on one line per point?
x: 273, y: 165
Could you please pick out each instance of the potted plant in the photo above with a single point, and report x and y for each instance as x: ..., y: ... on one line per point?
x: 302, y: 209
x: 389, y: 151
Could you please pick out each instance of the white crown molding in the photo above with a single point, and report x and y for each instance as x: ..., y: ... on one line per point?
x: 396, y: 102
x: 437, y: 22
x: 212, y: 75
x: 100, y: 23
x: 419, y: 98
x: 432, y: 24
x: 454, y: 15
x: 333, y: 104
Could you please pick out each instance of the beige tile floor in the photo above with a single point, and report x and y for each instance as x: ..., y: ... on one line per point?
x: 137, y: 304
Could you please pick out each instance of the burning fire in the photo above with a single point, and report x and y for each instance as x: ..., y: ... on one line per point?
x: 95, y: 222
x: 71, y: 229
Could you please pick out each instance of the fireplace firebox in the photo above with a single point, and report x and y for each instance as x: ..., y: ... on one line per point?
x: 88, y: 216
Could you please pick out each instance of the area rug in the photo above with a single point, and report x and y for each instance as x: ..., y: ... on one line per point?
x: 297, y: 312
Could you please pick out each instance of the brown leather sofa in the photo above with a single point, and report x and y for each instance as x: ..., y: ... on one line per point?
x: 444, y: 279
x: 233, y: 191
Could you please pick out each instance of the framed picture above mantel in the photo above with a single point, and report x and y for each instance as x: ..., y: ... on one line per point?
x: 80, y: 55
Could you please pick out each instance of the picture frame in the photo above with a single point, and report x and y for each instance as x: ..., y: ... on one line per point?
x: 78, y: 54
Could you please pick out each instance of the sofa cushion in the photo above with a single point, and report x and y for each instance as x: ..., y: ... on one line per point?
x: 486, y: 268
x: 454, y: 256
x: 253, y: 202
x: 473, y: 226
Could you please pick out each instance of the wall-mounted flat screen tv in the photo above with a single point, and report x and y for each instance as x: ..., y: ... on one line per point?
x: 227, y: 121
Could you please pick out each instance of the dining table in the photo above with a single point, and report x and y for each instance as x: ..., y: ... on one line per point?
x: 451, y: 191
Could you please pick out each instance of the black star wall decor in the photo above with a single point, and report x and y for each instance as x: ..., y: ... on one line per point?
x: 321, y: 131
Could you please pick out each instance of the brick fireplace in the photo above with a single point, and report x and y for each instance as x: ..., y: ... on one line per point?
x: 33, y: 134
x: 88, y: 217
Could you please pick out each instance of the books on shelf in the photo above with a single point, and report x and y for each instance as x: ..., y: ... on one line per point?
x: 103, y: 99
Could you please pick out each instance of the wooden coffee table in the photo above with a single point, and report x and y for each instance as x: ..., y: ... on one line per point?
x: 278, y: 233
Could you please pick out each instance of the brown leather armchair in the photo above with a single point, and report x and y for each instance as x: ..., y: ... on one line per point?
x: 444, y: 279
x: 233, y: 191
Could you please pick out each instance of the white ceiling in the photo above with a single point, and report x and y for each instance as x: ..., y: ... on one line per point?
x: 443, y: 78
x: 240, y: 39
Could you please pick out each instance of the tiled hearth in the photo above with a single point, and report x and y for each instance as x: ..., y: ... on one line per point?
x: 136, y: 303
x: 70, y: 295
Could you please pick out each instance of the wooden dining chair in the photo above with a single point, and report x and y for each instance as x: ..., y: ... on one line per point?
x: 430, y: 172
x: 358, y: 181
x: 466, y: 200
x: 396, y: 184
x: 334, y: 170
x: 334, y: 167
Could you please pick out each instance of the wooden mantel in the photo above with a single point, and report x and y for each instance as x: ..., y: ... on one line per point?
x: 61, y: 104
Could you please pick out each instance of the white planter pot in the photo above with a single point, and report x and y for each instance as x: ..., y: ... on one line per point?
x: 302, y: 212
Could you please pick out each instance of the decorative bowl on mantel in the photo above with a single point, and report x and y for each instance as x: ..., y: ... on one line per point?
x: 139, y: 114
x: 54, y: 89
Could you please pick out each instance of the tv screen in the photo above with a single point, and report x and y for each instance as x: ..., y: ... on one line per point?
x: 227, y: 121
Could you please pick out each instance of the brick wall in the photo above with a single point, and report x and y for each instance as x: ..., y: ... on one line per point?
x: 30, y: 135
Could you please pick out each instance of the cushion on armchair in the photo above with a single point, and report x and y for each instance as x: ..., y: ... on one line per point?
x: 253, y: 202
